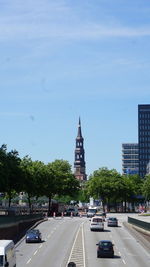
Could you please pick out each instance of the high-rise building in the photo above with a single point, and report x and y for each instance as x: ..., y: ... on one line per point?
x: 130, y: 158
x: 79, y: 163
x: 143, y: 138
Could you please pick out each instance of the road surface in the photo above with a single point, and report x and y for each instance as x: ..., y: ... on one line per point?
x: 70, y: 239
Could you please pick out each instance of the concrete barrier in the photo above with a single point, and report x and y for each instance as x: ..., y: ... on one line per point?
x: 140, y: 224
x: 14, y: 227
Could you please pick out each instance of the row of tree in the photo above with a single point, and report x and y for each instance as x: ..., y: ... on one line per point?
x: 112, y: 187
x: 56, y: 179
x: 35, y: 178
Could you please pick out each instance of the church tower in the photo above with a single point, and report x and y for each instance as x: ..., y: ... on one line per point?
x: 79, y: 163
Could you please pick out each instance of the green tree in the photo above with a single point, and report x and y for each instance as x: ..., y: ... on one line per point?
x: 29, y: 181
x: 132, y: 188
x: 3, y: 166
x: 104, y: 184
x: 146, y: 188
x: 60, y: 181
x: 10, y: 172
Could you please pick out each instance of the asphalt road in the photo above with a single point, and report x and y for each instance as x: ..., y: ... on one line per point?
x: 70, y: 239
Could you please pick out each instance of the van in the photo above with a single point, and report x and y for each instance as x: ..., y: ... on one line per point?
x: 91, y: 212
x: 97, y: 224
x: 7, y: 253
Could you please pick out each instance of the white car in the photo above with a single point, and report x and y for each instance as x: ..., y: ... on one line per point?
x: 97, y: 224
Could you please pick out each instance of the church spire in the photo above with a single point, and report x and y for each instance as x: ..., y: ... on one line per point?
x: 79, y: 163
x: 79, y: 129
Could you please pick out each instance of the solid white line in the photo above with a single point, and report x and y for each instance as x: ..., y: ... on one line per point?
x: 28, y: 261
x: 83, y: 247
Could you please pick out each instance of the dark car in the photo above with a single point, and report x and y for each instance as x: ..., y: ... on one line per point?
x: 71, y: 211
x: 33, y: 235
x: 112, y: 221
x: 105, y: 249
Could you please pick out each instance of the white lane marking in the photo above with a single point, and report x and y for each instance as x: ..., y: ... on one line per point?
x: 124, y: 261
x: 83, y: 247
x: 35, y: 252
x: 28, y: 261
x: 41, y: 246
x: 74, y: 244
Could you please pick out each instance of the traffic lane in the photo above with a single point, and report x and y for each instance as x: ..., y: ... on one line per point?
x: 91, y: 239
x: 126, y: 247
x: 25, y: 251
x: 131, y: 251
x: 58, y: 236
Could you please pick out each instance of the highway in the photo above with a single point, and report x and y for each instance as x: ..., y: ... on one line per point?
x: 70, y: 239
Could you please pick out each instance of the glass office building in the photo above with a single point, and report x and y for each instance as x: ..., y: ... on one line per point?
x: 130, y: 158
x: 144, y: 138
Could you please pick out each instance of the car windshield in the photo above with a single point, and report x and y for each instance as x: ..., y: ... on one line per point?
x: 1, y: 260
x: 33, y: 231
x: 106, y: 244
x: 113, y: 219
x: 92, y: 210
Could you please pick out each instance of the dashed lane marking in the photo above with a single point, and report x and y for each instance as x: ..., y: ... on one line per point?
x: 35, y: 252
x: 28, y: 261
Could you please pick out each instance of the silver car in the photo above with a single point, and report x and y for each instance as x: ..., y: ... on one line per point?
x: 112, y: 221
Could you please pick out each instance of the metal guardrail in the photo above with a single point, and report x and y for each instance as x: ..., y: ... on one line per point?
x: 138, y: 223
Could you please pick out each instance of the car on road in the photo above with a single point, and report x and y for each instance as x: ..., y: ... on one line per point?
x: 101, y: 214
x: 97, y: 224
x: 91, y: 212
x: 112, y: 221
x: 105, y: 249
x: 71, y: 211
x: 33, y: 235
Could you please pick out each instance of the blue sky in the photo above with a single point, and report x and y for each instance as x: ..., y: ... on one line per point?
x: 63, y: 59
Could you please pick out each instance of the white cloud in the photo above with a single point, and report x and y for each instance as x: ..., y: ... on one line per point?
x: 52, y: 20
x: 17, y: 31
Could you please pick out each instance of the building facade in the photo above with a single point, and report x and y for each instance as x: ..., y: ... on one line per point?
x: 144, y: 138
x: 79, y: 163
x: 130, y: 158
